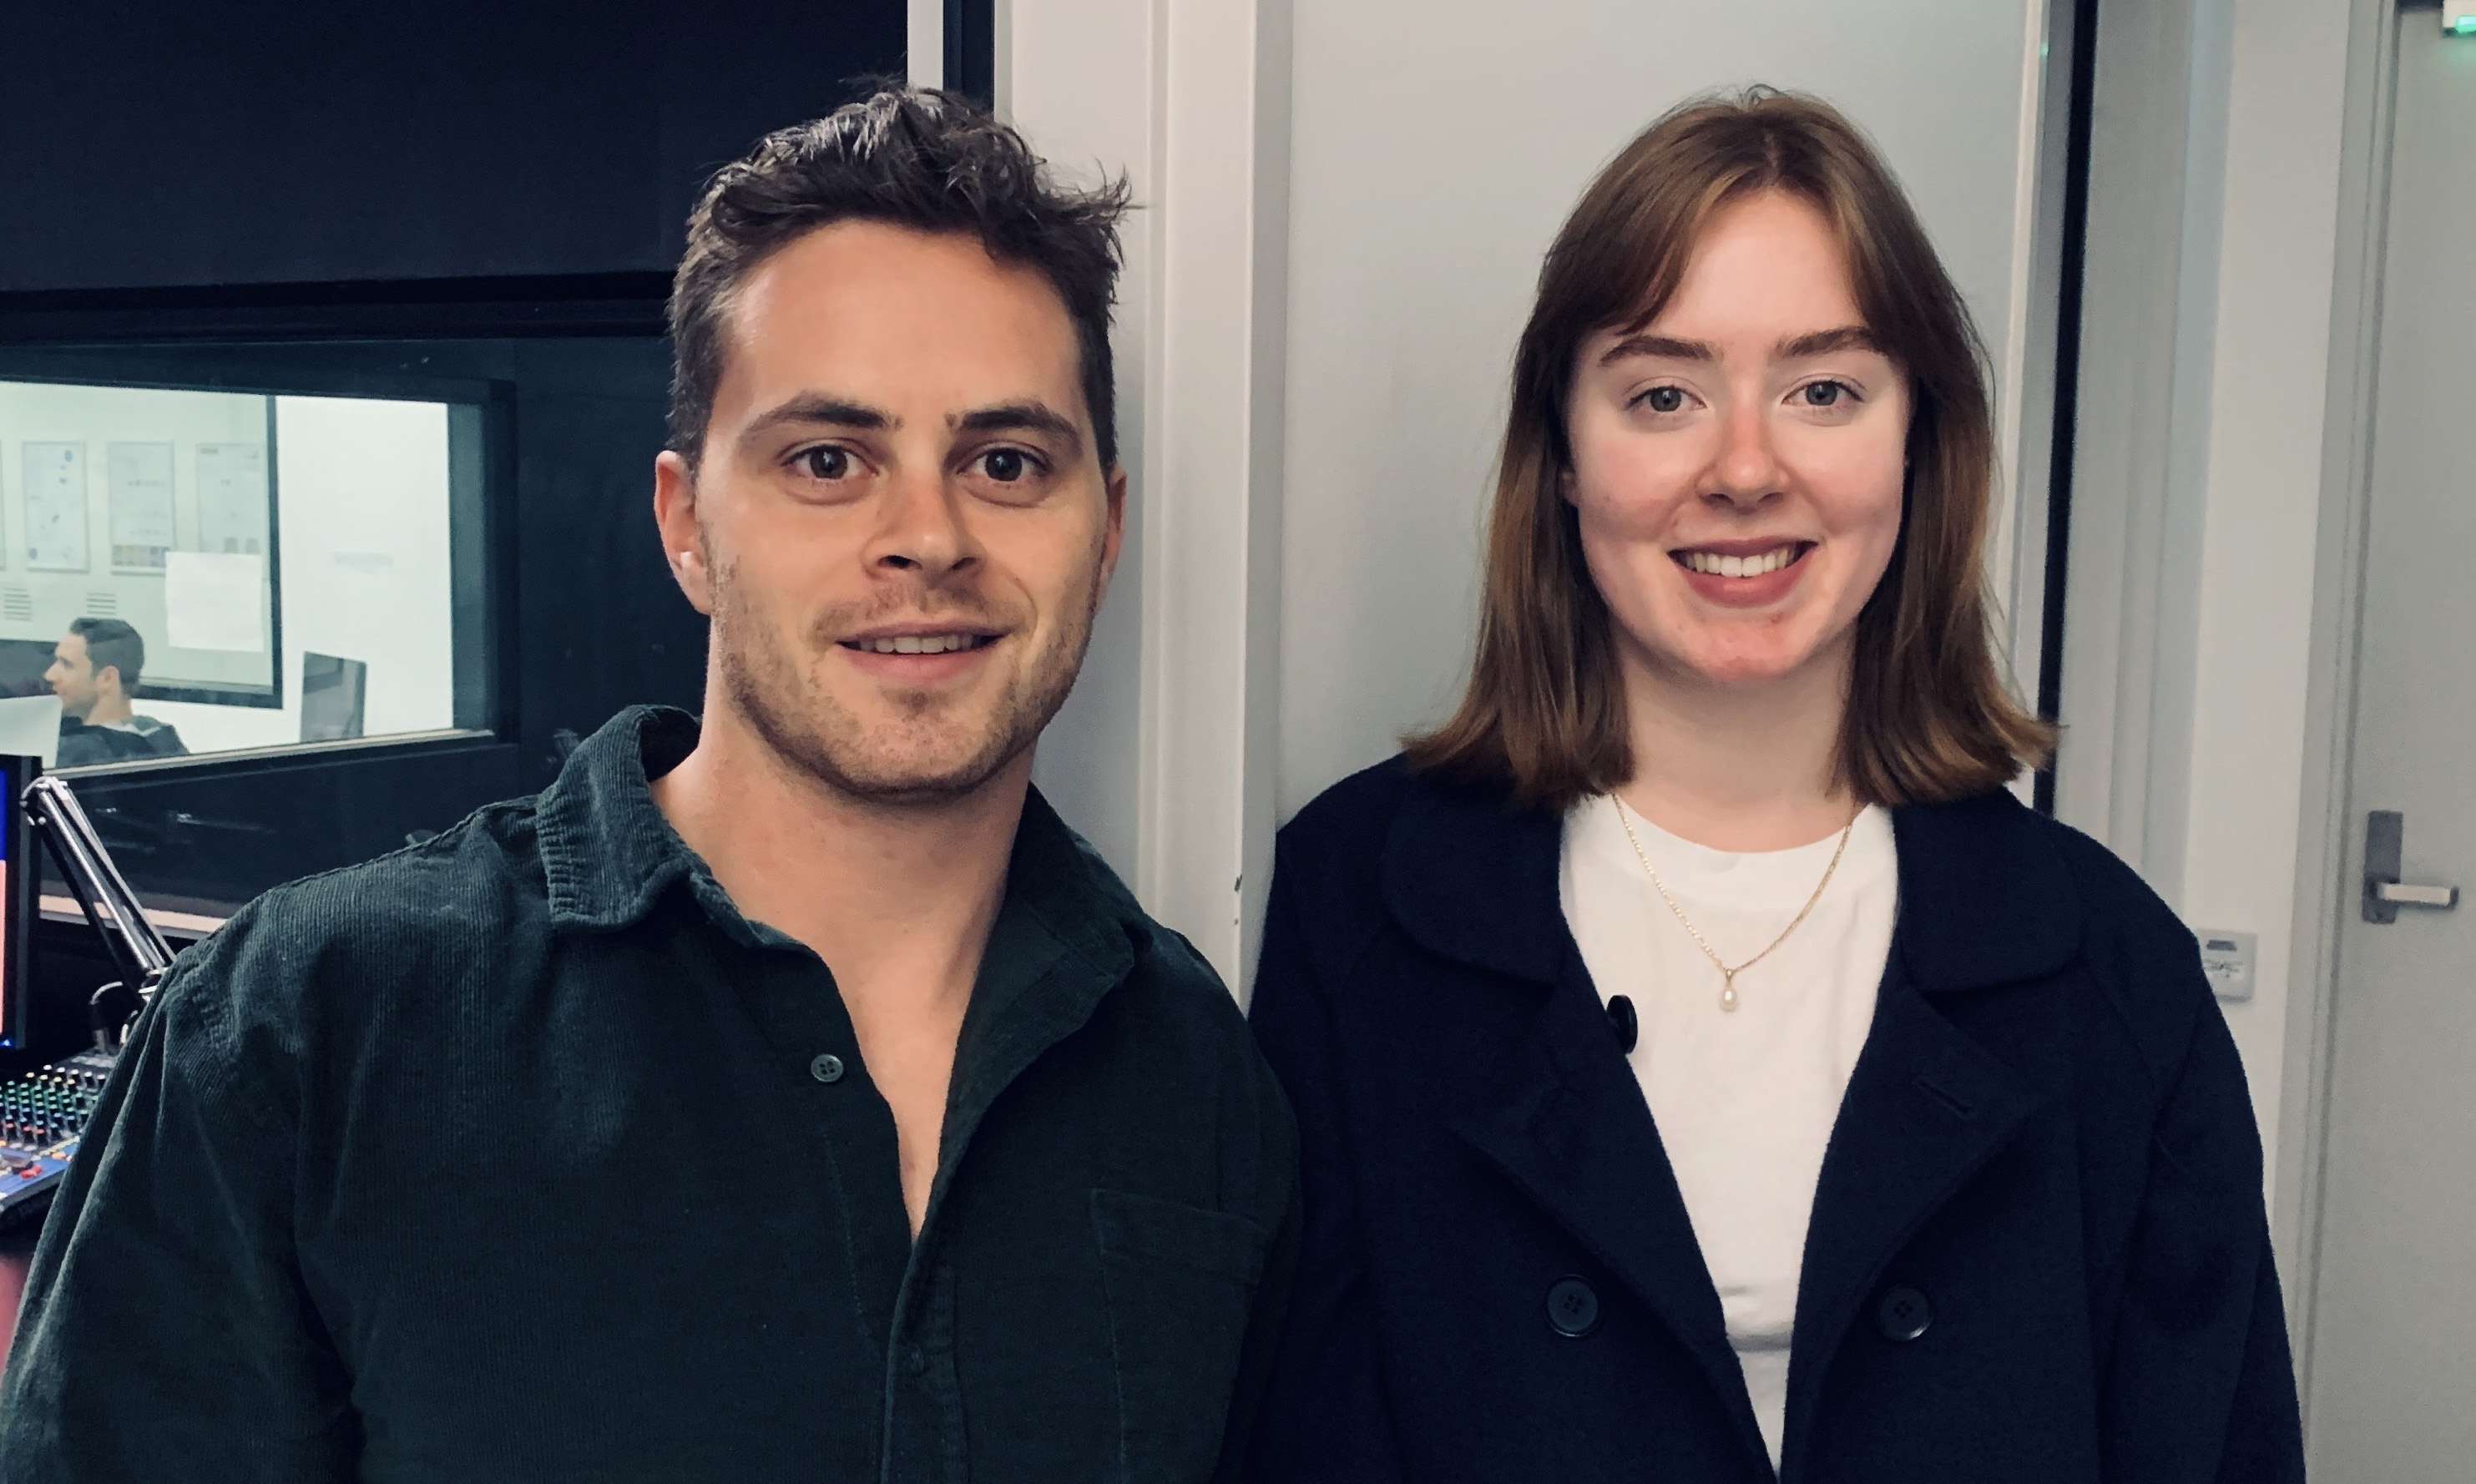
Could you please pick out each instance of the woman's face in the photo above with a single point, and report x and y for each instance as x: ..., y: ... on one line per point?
x: 1738, y: 462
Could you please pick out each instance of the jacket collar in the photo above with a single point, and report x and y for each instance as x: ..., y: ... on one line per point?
x: 1985, y: 898
x: 608, y: 854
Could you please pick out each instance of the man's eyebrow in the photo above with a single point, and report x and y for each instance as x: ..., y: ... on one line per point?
x: 1020, y: 416
x: 1665, y: 346
x: 819, y: 409
x: 1822, y: 342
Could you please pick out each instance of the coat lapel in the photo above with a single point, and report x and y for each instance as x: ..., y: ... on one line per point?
x: 1925, y: 1108
x: 1475, y: 879
x: 1984, y: 901
x: 1572, y: 1131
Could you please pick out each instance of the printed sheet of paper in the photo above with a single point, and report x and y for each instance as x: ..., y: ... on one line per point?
x: 139, y: 478
x: 232, y: 499
x: 215, y: 600
x: 55, y: 506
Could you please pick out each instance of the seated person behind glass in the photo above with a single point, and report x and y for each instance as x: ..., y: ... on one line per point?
x: 94, y: 668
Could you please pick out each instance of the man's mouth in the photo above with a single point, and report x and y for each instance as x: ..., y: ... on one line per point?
x: 1759, y: 562
x: 919, y: 643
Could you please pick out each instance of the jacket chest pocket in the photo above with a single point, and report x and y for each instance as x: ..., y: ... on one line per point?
x: 1180, y: 1282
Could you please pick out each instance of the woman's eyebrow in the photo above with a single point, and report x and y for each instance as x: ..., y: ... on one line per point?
x: 1822, y: 342
x: 1665, y: 347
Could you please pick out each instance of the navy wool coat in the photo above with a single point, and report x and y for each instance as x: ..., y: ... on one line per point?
x: 2039, y: 1252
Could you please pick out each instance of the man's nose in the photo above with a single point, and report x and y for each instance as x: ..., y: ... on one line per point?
x: 923, y: 528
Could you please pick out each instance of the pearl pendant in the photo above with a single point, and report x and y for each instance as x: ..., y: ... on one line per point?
x: 1728, y: 993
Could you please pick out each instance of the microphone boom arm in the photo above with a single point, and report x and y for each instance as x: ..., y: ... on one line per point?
x: 110, y: 907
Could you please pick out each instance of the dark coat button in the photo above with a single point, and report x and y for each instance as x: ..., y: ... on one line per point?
x: 1903, y: 1315
x: 1573, y: 1309
x: 1624, y: 1023
x: 828, y: 1068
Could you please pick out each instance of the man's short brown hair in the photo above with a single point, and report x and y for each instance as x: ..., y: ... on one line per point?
x: 916, y: 158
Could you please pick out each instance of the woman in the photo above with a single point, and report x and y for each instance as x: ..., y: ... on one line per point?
x: 1707, y: 1069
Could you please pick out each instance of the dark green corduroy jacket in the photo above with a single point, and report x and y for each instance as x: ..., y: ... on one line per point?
x: 522, y: 1156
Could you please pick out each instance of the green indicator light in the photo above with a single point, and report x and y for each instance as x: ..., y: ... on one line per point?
x: 2465, y: 26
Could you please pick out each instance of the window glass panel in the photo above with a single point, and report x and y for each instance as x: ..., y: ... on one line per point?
x: 275, y: 569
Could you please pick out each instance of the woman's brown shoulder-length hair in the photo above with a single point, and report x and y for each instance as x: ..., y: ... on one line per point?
x: 1928, y: 716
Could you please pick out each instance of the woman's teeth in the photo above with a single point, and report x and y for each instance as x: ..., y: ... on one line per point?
x: 1712, y: 562
x: 920, y: 643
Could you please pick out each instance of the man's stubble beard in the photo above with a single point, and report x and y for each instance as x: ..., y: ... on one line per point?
x: 816, y: 736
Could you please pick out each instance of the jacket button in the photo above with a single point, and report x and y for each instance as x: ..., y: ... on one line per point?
x: 1573, y: 1308
x: 1903, y: 1315
x: 828, y: 1068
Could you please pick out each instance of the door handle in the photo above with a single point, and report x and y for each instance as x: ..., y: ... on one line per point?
x: 2385, y: 836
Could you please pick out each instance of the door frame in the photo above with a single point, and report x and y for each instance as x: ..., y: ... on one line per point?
x: 2325, y: 841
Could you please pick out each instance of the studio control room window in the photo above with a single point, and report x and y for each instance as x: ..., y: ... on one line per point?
x: 188, y: 571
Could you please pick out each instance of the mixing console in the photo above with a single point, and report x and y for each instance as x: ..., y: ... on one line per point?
x: 42, y: 1116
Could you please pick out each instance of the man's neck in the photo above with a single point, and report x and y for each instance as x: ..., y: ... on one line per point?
x: 896, y: 900
x: 1737, y: 767
x: 109, y: 710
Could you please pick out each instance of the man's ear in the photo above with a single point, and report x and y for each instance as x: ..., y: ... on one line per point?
x: 1115, y: 489
x: 675, y: 517
x: 100, y: 671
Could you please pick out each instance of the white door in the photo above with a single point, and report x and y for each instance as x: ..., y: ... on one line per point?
x: 2391, y: 1385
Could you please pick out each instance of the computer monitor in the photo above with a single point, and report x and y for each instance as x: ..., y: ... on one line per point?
x: 20, y: 875
x: 330, y: 697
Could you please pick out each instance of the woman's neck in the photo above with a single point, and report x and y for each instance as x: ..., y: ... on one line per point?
x: 1737, y: 767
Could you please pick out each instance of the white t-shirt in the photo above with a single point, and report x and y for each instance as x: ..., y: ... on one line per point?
x: 1744, y: 1099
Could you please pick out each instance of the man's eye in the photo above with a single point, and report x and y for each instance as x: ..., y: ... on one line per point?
x: 826, y: 463
x: 1823, y: 394
x: 1005, y: 465
x: 1664, y: 399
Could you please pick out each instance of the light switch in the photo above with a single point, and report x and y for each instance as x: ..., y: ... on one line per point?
x: 2226, y: 957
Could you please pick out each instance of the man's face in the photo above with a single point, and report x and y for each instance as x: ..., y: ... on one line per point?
x: 899, y: 525
x: 71, y: 676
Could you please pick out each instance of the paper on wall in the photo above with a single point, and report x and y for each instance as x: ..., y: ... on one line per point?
x: 138, y: 480
x: 232, y: 498
x: 213, y: 601
x: 55, y: 499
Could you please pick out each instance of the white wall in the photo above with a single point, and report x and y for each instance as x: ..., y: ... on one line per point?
x: 2264, y: 492
x: 1435, y: 149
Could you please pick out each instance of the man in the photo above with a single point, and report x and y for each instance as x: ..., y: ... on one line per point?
x: 794, y: 1098
x: 94, y: 668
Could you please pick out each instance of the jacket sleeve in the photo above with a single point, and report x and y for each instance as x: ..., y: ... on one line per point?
x: 2201, y: 1386
x: 165, y: 1332
x: 1326, y: 1414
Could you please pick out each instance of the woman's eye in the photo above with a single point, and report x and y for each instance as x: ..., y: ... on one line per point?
x: 1005, y: 465
x: 1664, y: 399
x: 826, y: 463
x: 1823, y: 394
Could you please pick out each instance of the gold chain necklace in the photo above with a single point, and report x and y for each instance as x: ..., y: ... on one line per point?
x: 1728, y: 975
